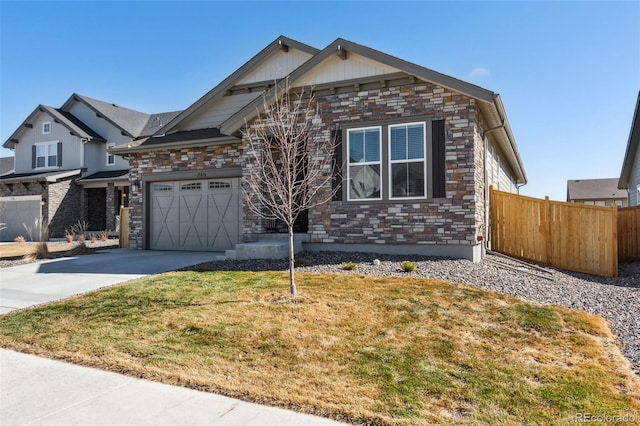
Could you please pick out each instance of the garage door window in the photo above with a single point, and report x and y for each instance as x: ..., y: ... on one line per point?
x: 193, y: 186
x: 216, y: 184
x: 159, y: 187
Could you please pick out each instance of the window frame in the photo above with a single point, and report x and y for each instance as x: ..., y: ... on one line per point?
x: 44, y: 125
x: 110, y: 156
x: 391, y: 162
x: 46, y: 155
x: 365, y: 163
x: 430, y: 158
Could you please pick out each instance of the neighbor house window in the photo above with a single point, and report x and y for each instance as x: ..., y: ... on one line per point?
x: 46, y: 127
x: 407, y: 161
x: 111, y: 159
x: 46, y: 155
x: 364, y: 147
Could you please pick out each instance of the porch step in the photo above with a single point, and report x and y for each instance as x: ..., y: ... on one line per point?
x: 276, y: 249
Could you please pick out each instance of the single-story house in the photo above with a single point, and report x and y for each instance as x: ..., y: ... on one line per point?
x: 630, y: 173
x: 186, y: 179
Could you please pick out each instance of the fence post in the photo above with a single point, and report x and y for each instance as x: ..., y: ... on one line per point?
x: 614, y: 220
x: 548, y: 258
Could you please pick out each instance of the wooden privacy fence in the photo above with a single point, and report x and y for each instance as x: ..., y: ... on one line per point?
x: 569, y: 236
x: 629, y: 234
x: 124, y: 227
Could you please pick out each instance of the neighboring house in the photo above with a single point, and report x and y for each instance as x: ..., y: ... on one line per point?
x: 63, y: 170
x: 450, y: 139
x: 596, y: 192
x: 630, y: 174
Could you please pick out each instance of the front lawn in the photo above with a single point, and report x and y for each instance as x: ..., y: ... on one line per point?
x: 355, y: 348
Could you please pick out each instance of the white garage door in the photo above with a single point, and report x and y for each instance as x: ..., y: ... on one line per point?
x: 195, y: 215
x: 20, y: 216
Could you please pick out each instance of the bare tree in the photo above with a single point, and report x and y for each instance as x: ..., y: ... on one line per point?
x: 291, y: 160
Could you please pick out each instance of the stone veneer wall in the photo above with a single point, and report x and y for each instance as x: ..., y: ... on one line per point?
x: 453, y: 220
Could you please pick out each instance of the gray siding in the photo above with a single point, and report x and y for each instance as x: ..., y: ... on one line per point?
x: 276, y: 66
x: 105, y: 129
x: 634, y: 182
x: 497, y: 174
x: 218, y: 111
x: 71, y: 145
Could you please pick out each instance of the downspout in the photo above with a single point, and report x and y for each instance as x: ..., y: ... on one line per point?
x: 487, y: 207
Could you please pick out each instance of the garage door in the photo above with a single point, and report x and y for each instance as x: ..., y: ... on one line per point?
x: 20, y: 216
x: 195, y: 215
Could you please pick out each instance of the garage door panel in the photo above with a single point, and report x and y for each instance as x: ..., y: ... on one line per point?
x: 193, y: 222
x: 164, y: 218
x: 21, y: 215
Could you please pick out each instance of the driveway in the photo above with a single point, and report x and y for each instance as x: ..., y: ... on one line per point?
x: 40, y: 282
x: 39, y: 391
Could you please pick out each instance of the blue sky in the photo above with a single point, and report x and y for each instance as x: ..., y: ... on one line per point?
x: 568, y: 72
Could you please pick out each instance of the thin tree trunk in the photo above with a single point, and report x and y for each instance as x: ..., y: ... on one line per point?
x: 292, y: 283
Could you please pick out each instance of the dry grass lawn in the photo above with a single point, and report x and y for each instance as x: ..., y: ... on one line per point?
x: 15, y: 250
x: 355, y: 348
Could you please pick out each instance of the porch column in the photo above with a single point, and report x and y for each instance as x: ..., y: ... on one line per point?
x: 111, y: 207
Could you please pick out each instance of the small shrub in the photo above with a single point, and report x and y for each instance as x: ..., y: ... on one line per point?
x: 92, y: 237
x: 103, y: 236
x: 68, y: 235
x: 80, y: 237
x: 408, y: 266
x: 19, y: 239
x: 349, y: 266
x: 299, y: 263
x: 80, y: 249
x: 41, y: 251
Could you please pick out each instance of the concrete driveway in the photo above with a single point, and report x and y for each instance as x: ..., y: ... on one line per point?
x: 39, y: 391
x: 35, y: 283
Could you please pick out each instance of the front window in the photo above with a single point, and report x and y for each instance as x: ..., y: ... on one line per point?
x: 47, y: 155
x: 364, y: 168
x: 46, y: 127
x: 407, y: 161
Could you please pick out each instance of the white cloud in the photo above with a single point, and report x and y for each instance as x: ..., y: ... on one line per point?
x: 479, y: 73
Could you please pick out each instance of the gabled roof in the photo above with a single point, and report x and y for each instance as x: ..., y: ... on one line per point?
x: 594, y: 189
x: 68, y: 120
x: 490, y: 103
x: 129, y: 121
x: 281, y: 42
x: 632, y: 149
x: 157, y: 121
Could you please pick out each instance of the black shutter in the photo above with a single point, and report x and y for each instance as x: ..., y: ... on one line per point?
x: 336, y: 184
x: 438, y: 139
x: 59, y: 156
x: 33, y: 156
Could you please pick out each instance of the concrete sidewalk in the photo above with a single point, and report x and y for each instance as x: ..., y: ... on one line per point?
x: 39, y: 391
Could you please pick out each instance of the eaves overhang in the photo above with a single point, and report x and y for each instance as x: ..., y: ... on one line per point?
x: 631, y: 152
x: 124, y: 150
x: 48, y: 177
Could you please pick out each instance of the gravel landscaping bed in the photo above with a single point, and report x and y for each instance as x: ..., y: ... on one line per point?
x: 616, y: 299
x: 97, y: 245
